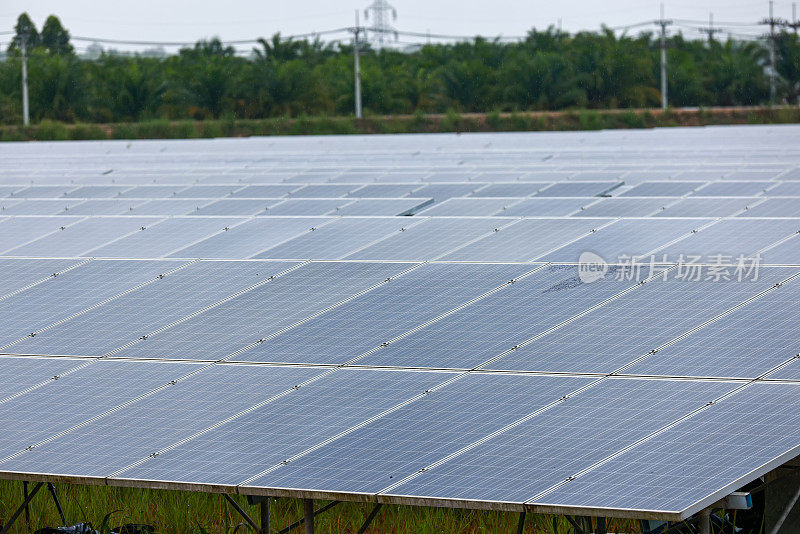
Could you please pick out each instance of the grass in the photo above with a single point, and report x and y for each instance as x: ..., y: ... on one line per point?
x: 452, y: 121
x: 173, y: 511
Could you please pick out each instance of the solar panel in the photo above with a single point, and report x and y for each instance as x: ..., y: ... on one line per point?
x: 662, y: 189
x: 585, y: 428
x: 41, y: 207
x: 520, y: 189
x: 784, y: 190
x: 208, y: 191
x: 624, y: 207
x: 111, y: 207
x: 774, y: 207
x: 264, y: 191
x: 469, y: 206
x: 324, y: 191
x: 18, y: 231
x: 547, y: 207
x: 19, y: 374
x: 235, y: 206
x: 97, y: 191
x: 318, y: 411
x: 83, y: 237
x: 582, y: 189
x: 245, y: 320
x: 338, y: 239
x: 427, y: 241
x: 45, y: 191
x: 384, y: 206
x: 707, y: 207
x: 384, y: 191
x: 19, y: 273
x: 700, y: 459
x: 383, y: 314
x: 248, y: 239
x: 785, y: 252
x: 441, y: 192
x: 307, y: 206
x: 153, y: 191
x: 733, y: 189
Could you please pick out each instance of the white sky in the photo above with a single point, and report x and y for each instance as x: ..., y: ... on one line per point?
x: 189, y: 20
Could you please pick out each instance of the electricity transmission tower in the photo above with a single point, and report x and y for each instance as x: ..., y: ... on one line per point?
x: 381, y: 12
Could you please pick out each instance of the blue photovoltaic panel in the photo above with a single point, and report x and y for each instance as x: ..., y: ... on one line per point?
x: 250, y: 238
x: 377, y: 317
x: 97, y: 191
x: 518, y: 464
x: 153, y: 191
x: 662, y: 189
x: 457, y: 176
x: 785, y: 189
x: 581, y: 189
x: 519, y: 189
x: 627, y: 237
x: 265, y: 191
x: 708, y: 207
x: 208, y: 191
x: 17, y: 231
x: 62, y: 296
x: 469, y: 207
x: 108, y: 206
x: 384, y: 191
x: 335, y: 240
x: 547, y: 207
x: 45, y: 191
x: 245, y: 320
x: 636, y: 323
x: 6, y: 203
x: 8, y: 190
x: 312, y: 178
x: 786, y: 253
x: 733, y: 189
x: 265, y: 437
x: 775, y: 207
x: 504, y: 319
x: 750, y: 174
x: 166, y: 207
x: 384, y: 206
x: 45, y: 411
x: 441, y: 192
x: 307, y: 206
x: 447, y: 419
x: 235, y: 206
x: 745, y: 343
x: 164, y: 238
x: 39, y: 206
x: 624, y: 207
x: 428, y: 240
x: 150, y: 424
x: 149, y: 308
x: 18, y: 273
x: 733, y: 237
x: 525, y: 240
x: 324, y: 190
x: 19, y: 374
x: 699, y: 460
x: 83, y: 237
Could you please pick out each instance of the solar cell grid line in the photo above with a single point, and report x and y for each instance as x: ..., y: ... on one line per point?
x: 379, y: 316
x: 238, y: 324
x: 308, y: 418
x: 80, y: 238
x: 45, y: 412
x: 45, y: 191
x: 658, y: 312
x: 235, y: 207
x: 628, y: 238
x: 429, y: 241
x: 547, y: 206
x: 209, y: 191
x: 578, y: 189
x: 625, y: 207
x: 74, y: 292
x: 784, y: 189
x: 20, y: 274
x: 385, y: 190
x: 470, y: 206
x: 535, y: 304
x: 39, y: 206
x: 170, y: 207
x: 526, y: 240
x: 21, y: 230
x: 6, y: 203
x: 19, y: 374
x: 786, y: 252
x: 305, y: 206
x: 701, y: 458
x: 395, y: 207
x: 733, y: 237
x: 561, y: 438
x: 514, y: 189
x: 264, y: 191
x: 139, y: 429
x: 250, y: 238
x: 97, y: 191
x: 153, y: 307
x: 743, y: 343
x: 107, y: 207
x: 733, y: 189
x: 448, y: 418
x: 336, y: 240
x: 442, y: 191
x: 774, y: 207
x: 662, y: 189
x: 9, y: 190
x: 153, y: 191
x: 710, y: 207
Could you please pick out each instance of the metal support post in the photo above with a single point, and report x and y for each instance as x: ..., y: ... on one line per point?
x: 22, y: 508
x: 241, y: 512
x: 370, y: 517
x: 357, y: 66
x: 704, y: 521
x: 521, y: 523
x: 601, y: 526
x: 25, y: 106
x: 52, y: 489
x: 663, y: 23
x: 264, y: 516
x: 785, y: 513
x: 308, y: 508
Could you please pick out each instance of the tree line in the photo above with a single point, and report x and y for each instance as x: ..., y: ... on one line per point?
x: 548, y: 70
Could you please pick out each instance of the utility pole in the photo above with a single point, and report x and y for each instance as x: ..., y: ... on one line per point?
x: 25, y: 111
x: 357, y: 65
x: 772, y: 21
x: 710, y: 30
x: 663, y: 23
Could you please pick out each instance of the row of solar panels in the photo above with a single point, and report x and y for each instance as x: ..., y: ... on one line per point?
x: 406, y: 434
x: 404, y: 239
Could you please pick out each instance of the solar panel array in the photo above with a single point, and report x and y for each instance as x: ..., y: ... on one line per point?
x: 406, y: 319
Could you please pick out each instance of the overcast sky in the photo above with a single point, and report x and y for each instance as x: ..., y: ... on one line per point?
x: 189, y: 20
